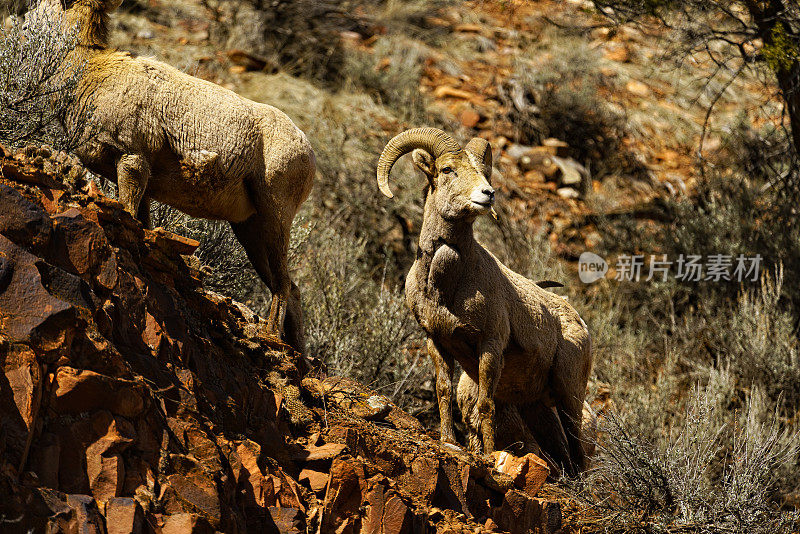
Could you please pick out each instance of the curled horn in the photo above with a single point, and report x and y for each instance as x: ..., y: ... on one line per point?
x: 433, y: 140
x: 480, y: 147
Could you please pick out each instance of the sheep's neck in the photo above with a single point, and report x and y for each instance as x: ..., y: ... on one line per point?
x: 436, y: 231
x: 92, y: 27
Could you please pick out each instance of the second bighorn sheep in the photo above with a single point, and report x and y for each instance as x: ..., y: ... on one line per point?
x: 162, y: 134
x: 518, y: 342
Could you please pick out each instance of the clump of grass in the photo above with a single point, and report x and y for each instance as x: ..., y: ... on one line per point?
x: 560, y: 97
x: 357, y: 323
x: 712, y: 470
x: 755, y: 338
x: 390, y: 73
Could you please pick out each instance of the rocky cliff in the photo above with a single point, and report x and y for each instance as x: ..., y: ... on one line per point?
x: 134, y: 401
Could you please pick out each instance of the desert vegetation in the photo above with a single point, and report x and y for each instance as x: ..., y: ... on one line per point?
x: 38, y: 78
x: 684, y: 115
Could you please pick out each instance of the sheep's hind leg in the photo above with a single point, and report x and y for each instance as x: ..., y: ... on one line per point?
x: 133, y: 173
x: 443, y: 364
x: 266, y: 245
x: 143, y: 213
x: 545, y: 425
x: 571, y: 413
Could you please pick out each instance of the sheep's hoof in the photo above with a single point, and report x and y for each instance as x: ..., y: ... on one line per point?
x: 448, y: 438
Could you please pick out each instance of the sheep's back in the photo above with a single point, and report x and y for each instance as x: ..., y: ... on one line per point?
x: 146, y: 106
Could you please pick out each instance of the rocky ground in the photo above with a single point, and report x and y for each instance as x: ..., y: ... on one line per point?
x: 134, y: 401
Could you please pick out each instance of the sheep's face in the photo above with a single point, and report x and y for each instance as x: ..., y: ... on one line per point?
x: 459, y: 183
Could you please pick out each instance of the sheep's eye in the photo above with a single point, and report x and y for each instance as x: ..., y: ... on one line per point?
x: 447, y: 170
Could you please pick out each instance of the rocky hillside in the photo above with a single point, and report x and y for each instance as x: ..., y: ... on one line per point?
x: 132, y: 400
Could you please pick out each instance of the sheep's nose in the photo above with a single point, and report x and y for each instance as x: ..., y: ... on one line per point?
x: 488, y: 191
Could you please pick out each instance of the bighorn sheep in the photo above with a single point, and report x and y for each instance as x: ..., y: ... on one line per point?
x: 520, y: 343
x: 164, y: 135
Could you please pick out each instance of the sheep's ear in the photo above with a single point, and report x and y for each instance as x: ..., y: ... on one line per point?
x: 424, y: 162
x: 482, y: 149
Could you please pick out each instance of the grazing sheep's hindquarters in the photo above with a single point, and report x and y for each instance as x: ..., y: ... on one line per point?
x: 164, y: 135
x: 518, y: 343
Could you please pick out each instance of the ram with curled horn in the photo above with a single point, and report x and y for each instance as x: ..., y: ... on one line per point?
x: 519, y: 343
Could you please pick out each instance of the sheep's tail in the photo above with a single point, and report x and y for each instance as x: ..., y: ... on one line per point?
x: 544, y: 284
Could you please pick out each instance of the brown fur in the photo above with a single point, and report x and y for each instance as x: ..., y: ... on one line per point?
x: 164, y: 135
x: 520, y: 344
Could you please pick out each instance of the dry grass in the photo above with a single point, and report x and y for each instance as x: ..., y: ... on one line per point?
x: 38, y: 79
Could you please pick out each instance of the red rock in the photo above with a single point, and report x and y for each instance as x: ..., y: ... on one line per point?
x: 386, y: 512
x: 323, y: 452
x: 86, y: 517
x: 469, y: 118
x: 44, y: 458
x: 104, y: 465
x: 198, y: 491
x: 186, y: 524
x: 19, y: 403
x: 529, y: 472
x: 345, y: 435
x: 361, y: 402
x: 26, y: 174
x: 24, y: 377
x: 521, y: 514
x: 107, y: 273
x: 106, y: 474
x: 452, y: 485
x: 251, y: 480
x: 288, y: 520
x: 344, y: 495
x: 316, y: 480
x: 80, y: 390
x: 22, y: 221
x: 124, y: 516
x: 50, y: 199
x: 287, y: 491
x: 169, y: 241
x: 81, y: 246
x: 25, y: 304
x: 423, y: 478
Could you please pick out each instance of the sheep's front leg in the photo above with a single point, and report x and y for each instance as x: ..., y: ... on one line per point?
x: 133, y: 173
x: 489, y: 369
x: 443, y: 363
